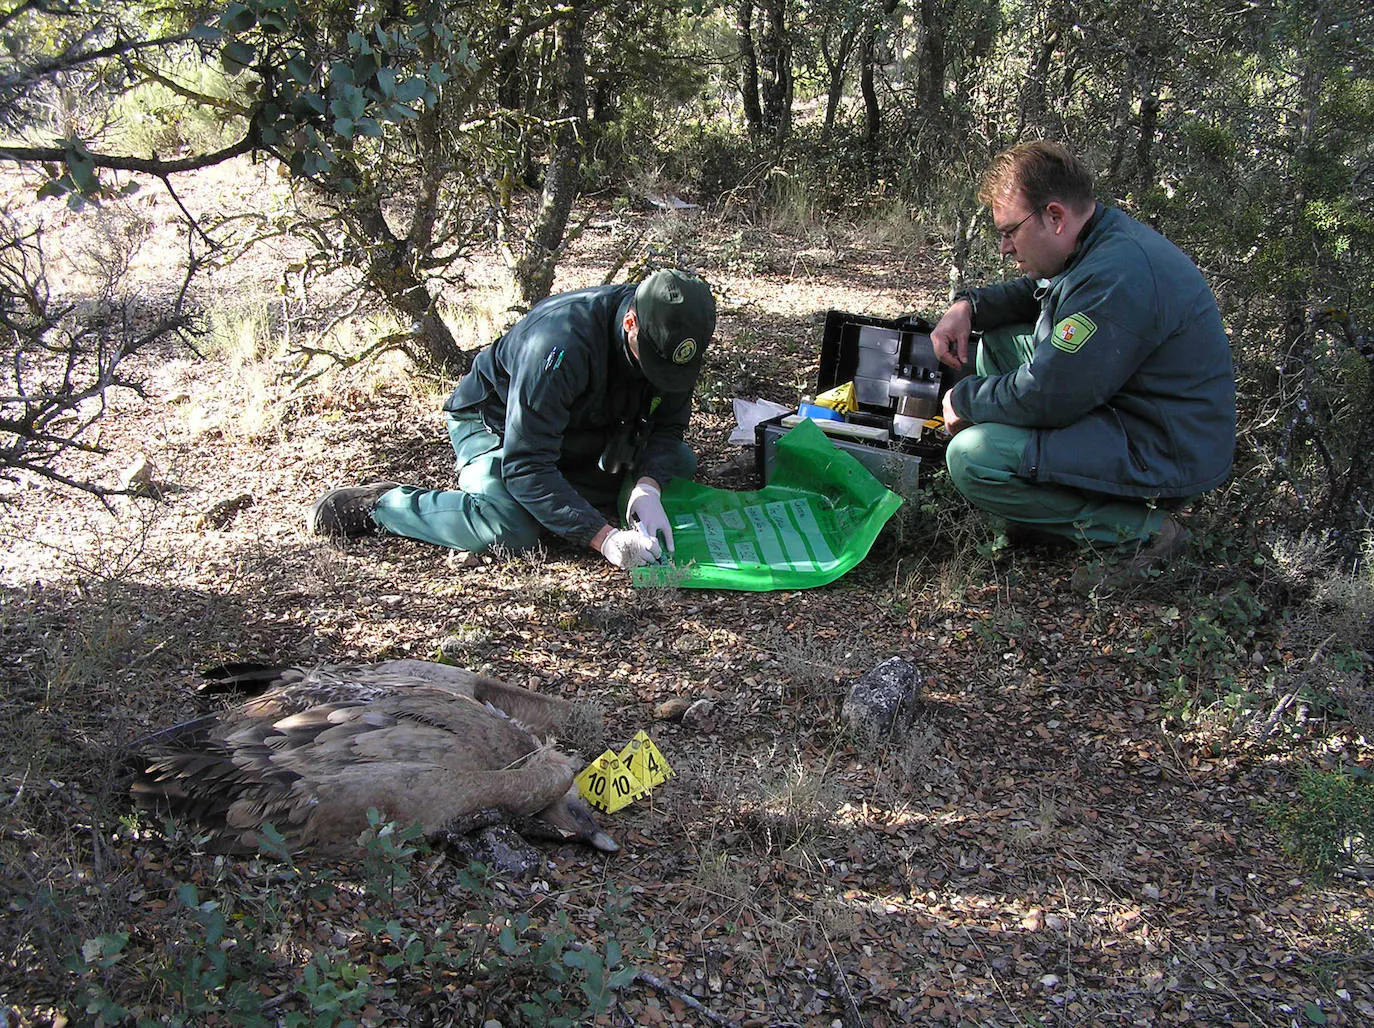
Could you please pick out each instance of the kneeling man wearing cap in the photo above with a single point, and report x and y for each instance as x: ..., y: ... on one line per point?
x: 583, y: 402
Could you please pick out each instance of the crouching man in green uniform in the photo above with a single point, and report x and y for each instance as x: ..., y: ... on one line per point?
x: 585, y: 397
x: 1103, y: 391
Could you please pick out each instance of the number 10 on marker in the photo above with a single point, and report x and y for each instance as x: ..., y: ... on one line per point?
x: 608, y: 785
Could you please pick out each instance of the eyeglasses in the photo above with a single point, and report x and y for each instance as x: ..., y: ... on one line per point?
x: 1007, y: 233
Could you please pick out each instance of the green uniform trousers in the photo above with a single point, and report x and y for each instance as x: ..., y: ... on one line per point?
x: 481, y: 513
x: 984, y: 463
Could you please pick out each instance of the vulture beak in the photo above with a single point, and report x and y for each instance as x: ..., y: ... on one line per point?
x: 573, y: 816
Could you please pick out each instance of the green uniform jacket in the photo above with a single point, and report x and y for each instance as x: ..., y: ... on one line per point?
x: 556, y: 388
x: 1130, y: 389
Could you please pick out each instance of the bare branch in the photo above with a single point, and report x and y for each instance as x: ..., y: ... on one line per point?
x: 147, y: 166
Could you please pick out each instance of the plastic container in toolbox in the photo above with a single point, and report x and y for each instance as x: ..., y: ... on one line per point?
x: 897, y: 379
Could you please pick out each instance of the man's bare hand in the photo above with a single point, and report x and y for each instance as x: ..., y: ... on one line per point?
x: 950, y: 336
x: 953, y: 423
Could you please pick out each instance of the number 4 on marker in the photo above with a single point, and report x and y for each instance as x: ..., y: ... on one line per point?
x: 645, y: 761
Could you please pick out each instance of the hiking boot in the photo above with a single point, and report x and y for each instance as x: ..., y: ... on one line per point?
x: 347, y: 513
x: 1166, y: 544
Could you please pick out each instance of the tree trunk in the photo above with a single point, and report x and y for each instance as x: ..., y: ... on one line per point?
x: 776, y: 52
x: 872, y: 114
x: 508, y: 91
x: 836, y: 63
x: 749, y: 70
x: 1149, y: 128
x: 1033, y: 98
x: 390, y: 274
x: 932, y: 78
x: 535, y: 268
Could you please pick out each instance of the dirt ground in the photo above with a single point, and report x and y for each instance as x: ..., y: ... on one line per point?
x: 1052, y: 843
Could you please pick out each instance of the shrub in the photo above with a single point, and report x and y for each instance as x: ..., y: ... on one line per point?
x: 1329, y: 821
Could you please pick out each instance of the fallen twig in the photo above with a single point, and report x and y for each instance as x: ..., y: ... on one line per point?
x: 671, y: 990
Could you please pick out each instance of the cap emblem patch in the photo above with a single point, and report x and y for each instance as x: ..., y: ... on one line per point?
x: 685, y: 351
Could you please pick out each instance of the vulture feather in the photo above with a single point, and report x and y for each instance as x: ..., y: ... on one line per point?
x: 318, y: 747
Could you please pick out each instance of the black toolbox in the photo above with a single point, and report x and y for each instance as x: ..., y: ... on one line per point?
x: 899, y: 385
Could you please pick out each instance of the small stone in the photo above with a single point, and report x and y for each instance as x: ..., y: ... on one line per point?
x: 498, y: 846
x: 140, y: 479
x: 882, y: 702
x: 1049, y: 981
x: 222, y: 512
x: 698, y: 710
x: 672, y: 710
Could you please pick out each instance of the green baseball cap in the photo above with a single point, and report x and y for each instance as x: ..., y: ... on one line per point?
x: 677, y: 317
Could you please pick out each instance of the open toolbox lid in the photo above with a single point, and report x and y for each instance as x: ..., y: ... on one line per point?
x: 895, y: 373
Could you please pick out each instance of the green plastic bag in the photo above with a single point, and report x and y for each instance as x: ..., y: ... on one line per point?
x: 813, y: 522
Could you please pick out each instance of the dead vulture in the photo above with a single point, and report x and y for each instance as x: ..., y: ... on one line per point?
x: 418, y: 741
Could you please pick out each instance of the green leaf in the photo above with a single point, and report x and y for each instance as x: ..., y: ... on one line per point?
x: 307, y: 105
x: 206, y: 34
x: 1315, y: 1013
x: 411, y: 90
x: 365, y: 66
x: 237, y: 18
x: 104, y: 950
x: 584, y: 959
x: 369, y: 127
x: 299, y: 70
x: 236, y: 57
x: 344, y: 127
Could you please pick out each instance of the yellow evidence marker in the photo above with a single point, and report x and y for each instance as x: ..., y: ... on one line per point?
x: 608, y: 785
x: 645, y: 761
x: 841, y: 398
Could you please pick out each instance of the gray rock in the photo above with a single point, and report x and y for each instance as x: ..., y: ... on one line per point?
x: 220, y: 513
x: 499, y: 846
x: 698, y: 711
x: 882, y: 703
x: 140, y: 479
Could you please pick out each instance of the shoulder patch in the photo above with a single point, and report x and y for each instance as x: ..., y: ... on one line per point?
x: 1071, y: 333
x: 554, y: 359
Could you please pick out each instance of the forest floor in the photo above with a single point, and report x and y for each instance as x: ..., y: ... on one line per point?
x: 1079, y: 828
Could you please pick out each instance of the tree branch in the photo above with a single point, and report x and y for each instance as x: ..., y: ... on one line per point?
x: 148, y: 166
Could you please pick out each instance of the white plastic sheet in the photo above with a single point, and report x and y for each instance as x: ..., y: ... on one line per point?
x: 748, y: 413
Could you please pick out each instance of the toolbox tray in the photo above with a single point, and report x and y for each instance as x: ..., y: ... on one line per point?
x: 896, y: 463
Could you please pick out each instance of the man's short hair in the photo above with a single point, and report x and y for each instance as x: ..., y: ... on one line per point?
x: 1040, y: 170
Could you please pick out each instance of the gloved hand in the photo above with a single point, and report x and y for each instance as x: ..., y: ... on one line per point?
x: 628, y: 548
x: 645, y: 512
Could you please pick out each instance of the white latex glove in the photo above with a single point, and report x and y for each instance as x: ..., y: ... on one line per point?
x: 645, y: 512
x: 628, y: 548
